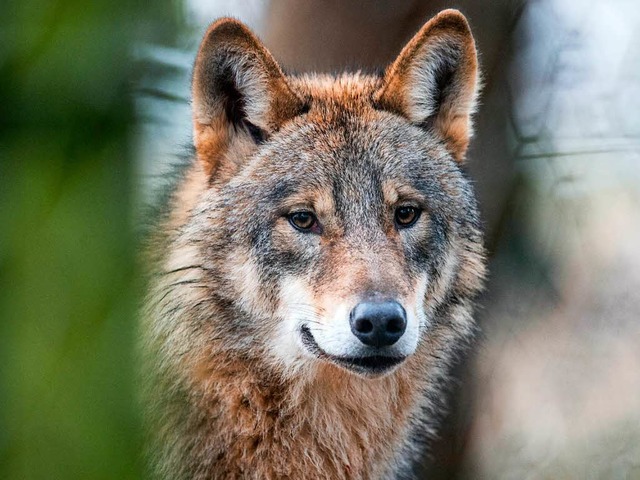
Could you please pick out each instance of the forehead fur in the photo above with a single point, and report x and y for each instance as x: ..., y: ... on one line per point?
x: 333, y: 93
x: 346, y: 104
x: 342, y: 132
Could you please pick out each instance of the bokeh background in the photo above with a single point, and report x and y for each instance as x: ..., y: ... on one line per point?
x: 94, y: 117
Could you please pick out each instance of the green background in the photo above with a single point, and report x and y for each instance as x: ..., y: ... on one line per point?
x: 69, y: 288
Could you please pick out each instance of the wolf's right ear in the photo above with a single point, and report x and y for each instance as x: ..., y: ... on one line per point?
x: 239, y: 93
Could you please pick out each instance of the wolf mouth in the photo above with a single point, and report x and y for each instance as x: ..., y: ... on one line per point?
x: 366, y: 365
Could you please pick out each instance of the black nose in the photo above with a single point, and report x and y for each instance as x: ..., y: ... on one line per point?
x: 378, y: 324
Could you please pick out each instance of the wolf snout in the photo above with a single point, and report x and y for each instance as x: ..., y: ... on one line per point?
x: 378, y: 323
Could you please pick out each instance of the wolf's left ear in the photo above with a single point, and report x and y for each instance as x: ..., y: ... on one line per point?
x: 240, y: 95
x: 433, y: 82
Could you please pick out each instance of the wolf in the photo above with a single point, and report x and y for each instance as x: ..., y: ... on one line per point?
x: 314, y: 276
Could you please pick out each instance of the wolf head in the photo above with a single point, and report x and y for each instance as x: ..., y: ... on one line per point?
x: 334, y: 225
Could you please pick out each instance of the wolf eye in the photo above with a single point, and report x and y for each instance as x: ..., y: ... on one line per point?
x: 406, y: 216
x: 305, y: 222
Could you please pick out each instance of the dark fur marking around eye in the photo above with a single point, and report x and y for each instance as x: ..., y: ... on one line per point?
x: 439, y: 230
x: 429, y: 252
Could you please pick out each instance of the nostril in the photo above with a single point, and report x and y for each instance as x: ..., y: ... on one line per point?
x: 363, y: 325
x: 396, y: 325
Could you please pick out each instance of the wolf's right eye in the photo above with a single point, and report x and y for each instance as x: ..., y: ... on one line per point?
x: 305, y: 222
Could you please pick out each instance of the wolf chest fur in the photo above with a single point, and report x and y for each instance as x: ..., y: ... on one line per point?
x: 314, y: 276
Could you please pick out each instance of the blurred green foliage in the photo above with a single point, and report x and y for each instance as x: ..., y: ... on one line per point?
x: 68, y: 276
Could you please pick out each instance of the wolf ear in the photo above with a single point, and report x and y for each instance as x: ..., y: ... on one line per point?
x: 240, y: 95
x: 433, y: 82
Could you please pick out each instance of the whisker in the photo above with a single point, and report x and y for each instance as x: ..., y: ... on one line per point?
x: 169, y: 288
x: 185, y: 282
x: 182, y: 269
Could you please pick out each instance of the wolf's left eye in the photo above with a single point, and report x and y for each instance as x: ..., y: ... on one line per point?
x: 406, y: 216
x: 305, y: 222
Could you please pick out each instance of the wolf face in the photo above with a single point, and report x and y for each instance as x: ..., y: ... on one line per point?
x: 334, y: 205
x: 325, y: 240
x: 347, y: 223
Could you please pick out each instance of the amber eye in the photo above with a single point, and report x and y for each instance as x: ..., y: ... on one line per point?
x: 406, y: 216
x: 304, y: 221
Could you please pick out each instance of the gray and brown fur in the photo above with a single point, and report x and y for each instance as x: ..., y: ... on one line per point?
x: 232, y: 392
